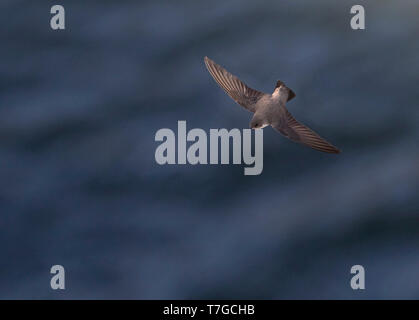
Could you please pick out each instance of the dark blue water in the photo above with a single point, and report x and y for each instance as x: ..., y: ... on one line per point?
x: 79, y: 185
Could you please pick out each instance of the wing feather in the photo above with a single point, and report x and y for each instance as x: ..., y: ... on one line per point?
x: 233, y: 86
x: 298, y: 132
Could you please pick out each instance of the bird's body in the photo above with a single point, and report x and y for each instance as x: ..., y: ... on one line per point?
x: 268, y: 109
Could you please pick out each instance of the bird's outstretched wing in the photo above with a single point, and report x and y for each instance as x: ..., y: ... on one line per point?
x: 297, y: 132
x: 233, y: 86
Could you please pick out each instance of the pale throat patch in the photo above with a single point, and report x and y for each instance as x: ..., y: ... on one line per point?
x: 278, y: 94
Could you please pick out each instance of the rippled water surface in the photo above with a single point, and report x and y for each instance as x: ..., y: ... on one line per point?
x: 79, y: 185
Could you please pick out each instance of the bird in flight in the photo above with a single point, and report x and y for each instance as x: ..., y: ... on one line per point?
x: 268, y: 109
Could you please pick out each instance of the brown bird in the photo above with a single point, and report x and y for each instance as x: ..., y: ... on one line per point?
x: 268, y: 109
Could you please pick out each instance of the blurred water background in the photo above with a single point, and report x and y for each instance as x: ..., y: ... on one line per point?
x: 79, y: 185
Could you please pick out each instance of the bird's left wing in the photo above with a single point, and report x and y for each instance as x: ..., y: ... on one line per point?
x: 233, y: 86
x: 298, y: 132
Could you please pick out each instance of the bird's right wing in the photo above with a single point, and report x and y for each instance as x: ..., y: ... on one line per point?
x: 233, y: 86
x: 298, y: 132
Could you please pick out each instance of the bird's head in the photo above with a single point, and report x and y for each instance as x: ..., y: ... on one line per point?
x: 279, y: 84
x: 282, y: 88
